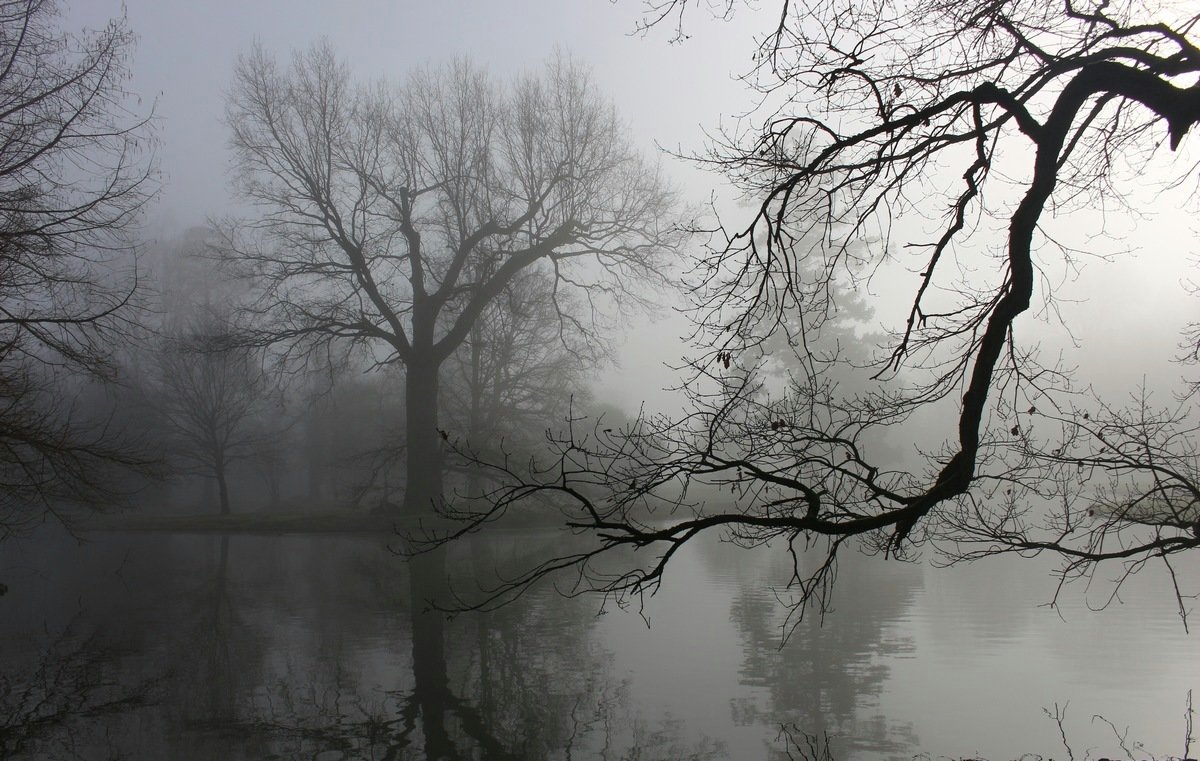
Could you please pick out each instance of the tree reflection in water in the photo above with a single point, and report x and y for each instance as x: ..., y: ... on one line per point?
x: 202, y: 647
x: 321, y: 648
x: 522, y: 682
x: 820, y: 677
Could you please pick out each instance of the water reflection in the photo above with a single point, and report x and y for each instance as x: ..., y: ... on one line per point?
x: 821, y: 676
x: 202, y: 647
x: 50, y: 702
x: 307, y: 648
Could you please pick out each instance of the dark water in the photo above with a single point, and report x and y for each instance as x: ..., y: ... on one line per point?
x: 159, y: 646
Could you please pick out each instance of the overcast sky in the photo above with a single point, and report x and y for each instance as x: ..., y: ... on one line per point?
x: 667, y: 93
x: 186, y: 52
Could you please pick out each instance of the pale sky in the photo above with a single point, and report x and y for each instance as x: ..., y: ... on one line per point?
x: 667, y: 93
x: 186, y: 52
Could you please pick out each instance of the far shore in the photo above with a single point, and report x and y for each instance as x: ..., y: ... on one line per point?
x: 339, y: 522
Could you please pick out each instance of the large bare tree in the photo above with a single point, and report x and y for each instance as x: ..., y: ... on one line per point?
x: 989, y: 119
x: 75, y: 171
x: 389, y: 217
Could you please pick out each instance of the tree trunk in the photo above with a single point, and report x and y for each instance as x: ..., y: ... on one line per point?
x: 222, y: 488
x: 313, y: 454
x: 475, y: 417
x: 423, y: 490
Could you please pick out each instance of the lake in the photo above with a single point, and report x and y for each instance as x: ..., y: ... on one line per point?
x: 191, y: 646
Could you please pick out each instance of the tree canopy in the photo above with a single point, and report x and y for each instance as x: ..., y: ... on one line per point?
x: 390, y: 217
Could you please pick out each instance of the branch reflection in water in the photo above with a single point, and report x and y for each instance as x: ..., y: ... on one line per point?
x: 252, y: 647
x: 302, y: 647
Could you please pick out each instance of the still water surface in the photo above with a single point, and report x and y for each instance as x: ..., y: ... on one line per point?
x: 248, y: 647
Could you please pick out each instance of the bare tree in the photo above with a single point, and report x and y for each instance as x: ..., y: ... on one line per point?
x: 74, y: 174
x: 209, y: 393
x: 880, y: 110
x: 390, y: 218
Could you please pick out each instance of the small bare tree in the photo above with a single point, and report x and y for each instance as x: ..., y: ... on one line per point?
x: 390, y: 218
x: 208, y: 393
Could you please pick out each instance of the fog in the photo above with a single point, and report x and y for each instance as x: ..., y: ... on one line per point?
x: 599, y: 379
x: 185, y: 54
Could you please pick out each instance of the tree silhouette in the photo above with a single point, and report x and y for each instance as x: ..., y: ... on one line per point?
x: 990, y: 119
x: 391, y: 218
x: 209, y: 393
